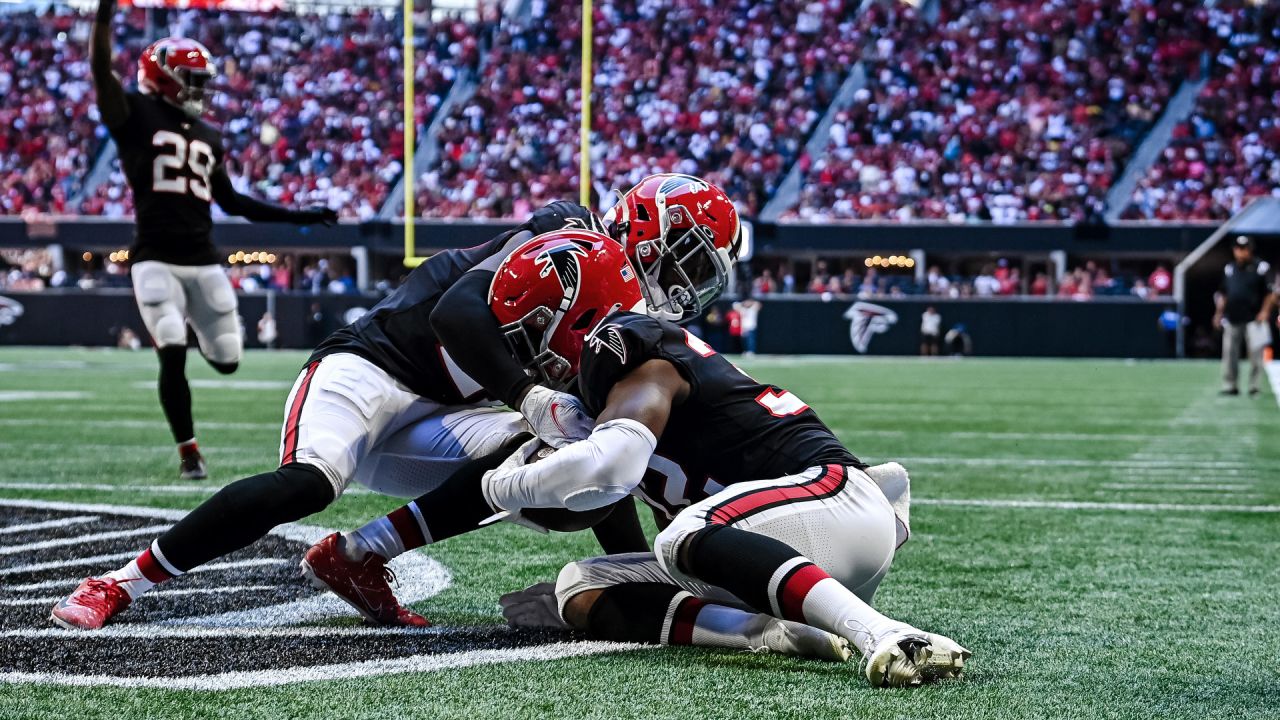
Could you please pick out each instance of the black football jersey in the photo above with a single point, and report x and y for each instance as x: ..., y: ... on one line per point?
x: 396, y: 335
x: 168, y: 158
x: 731, y: 428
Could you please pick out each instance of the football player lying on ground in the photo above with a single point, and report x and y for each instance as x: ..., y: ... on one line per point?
x: 768, y: 508
x: 174, y: 162
x: 430, y: 354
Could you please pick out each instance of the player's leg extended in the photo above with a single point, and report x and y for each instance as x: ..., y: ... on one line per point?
x: 335, y: 406
x: 163, y: 304
x: 798, y: 548
x: 630, y: 598
x: 211, y: 306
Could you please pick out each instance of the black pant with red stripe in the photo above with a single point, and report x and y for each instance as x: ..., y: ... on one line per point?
x: 244, y: 511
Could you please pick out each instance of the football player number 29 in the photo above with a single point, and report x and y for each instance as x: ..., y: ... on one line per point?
x: 166, y: 172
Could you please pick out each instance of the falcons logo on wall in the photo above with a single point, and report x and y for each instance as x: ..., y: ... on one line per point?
x: 867, y: 320
x: 563, y: 260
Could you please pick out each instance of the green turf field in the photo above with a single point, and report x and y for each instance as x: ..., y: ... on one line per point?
x: 1103, y: 535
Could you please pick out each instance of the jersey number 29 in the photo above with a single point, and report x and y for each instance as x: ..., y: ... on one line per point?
x: 166, y: 171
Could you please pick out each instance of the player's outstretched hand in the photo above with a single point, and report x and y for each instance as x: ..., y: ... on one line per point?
x: 318, y: 215
x: 557, y: 418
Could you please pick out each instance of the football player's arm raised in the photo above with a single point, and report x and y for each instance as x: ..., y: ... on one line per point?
x: 113, y: 106
x: 611, y: 462
x: 236, y: 203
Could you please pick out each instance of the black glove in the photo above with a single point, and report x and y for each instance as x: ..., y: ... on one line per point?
x: 313, y: 215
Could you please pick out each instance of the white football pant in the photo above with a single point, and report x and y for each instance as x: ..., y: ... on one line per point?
x: 170, y: 296
x: 351, y: 420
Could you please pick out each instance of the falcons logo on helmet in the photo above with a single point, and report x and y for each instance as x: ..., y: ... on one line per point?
x: 868, y: 320
x: 608, y: 337
x: 563, y: 260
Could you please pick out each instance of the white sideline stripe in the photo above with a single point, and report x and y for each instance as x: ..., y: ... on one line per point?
x: 1077, y: 505
x: 132, y: 424
x: 73, y: 562
x: 343, y: 671
x: 82, y: 539
x: 224, y: 384
x: 1073, y: 462
x: 60, y: 522
x: 25, y: 395
x: 1223, y: 487
x: 155, y: 593
x: 1273, y: 377
x: 211, y: 567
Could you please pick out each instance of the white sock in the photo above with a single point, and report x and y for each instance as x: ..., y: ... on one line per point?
x: 832, y: 607
x: 144, y: 572
x: 378, y: 536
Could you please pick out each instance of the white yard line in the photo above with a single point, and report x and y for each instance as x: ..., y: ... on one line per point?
x: 29, y: 395
x: 342, y: 671
x: 211, y: 567
x: 47, y: 524
x: 1186, y: 487
x: 82, y: 539
x: 70, y: 562
x: 131, y: 424
x: 1205, y: 465
x: 1079, y: 505
x: 221, y: 590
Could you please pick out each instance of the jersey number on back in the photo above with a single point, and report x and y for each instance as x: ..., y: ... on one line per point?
x: 166, y: 170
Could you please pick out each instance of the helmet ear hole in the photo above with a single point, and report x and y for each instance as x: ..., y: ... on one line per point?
x: 585, y: 320
x: 642, y: 212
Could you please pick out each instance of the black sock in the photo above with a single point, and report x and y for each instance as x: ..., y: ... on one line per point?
x: 739, y: 561
x: 242, y: 512
x: 175, y: 394
x: 634, y: 612
x: 457, y: 505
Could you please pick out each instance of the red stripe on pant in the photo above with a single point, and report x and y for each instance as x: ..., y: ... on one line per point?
x: 795, y: 587
x: 829, y: 483
x: 151, y: 568
x: 295, y: 414
x: 682, y: 623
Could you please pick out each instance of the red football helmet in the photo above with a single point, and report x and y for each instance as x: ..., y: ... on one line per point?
x: 553, y: 291
x: 177, y: 69
x: 683, y: 236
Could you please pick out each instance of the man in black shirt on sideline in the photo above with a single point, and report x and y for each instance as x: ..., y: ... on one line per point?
x: 1244, y: 300
x: 173, y: 160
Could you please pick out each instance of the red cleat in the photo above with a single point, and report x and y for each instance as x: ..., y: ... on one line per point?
x: 96, y: 601
x: 364, y: 585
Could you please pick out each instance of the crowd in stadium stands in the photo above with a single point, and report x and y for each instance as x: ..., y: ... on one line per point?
x: 999, y: 279
x: 1001, y: 111
x: 725, y: 90
x: 49, y: 131
x: 1228, y: 151
x: 310, y: 104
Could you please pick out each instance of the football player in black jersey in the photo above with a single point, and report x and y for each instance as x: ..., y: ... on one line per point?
x: 173, y: 161
x: 430, y: 358
x: 766, y: 513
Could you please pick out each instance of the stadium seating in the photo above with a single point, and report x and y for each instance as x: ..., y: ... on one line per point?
x: 1001, y: 110
x: 725, y: 90
x: 1226, y: 152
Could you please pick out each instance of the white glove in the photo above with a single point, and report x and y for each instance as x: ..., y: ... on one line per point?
x: 557, y: 418
x: 535, y: 606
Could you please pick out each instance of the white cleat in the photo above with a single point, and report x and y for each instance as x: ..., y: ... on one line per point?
x: 910, y: 657
x: 799, y: 640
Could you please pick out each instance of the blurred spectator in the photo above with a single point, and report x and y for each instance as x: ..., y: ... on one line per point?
x: 930, y: 332
x: 1160, y: 281
x: 267, y: 331
x: 748, y: 317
